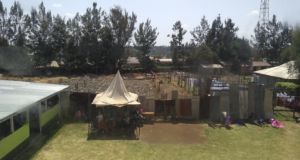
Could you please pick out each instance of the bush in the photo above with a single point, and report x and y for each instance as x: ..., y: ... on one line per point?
x: 286, y: 85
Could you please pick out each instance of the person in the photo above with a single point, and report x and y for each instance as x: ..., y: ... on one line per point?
x: 260, y: 120
x: 227, y: 122
x: 101, y: 122
x: 298, y: 120
x: 137, y: 114
x: 212, y: 124
x: 79, y: 114
x: 241, y: 122
x: 253, y: 120
x: 126, y: 113
x: 257, y: 120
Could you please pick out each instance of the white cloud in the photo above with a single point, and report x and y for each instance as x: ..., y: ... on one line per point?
x: 56, y: 5
x: 70, y: 15
x: 185, y: 26
x: 253, y: 13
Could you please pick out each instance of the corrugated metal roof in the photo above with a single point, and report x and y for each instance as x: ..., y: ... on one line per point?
x: 133, y: 60
x: 279, y: 71
x: 226, y: 63
x: 245, y: 64
x: 211, y: 66
x: 260, y: 64
x: 165, y: 60
x: 15, y: 96
x: 152, y: 58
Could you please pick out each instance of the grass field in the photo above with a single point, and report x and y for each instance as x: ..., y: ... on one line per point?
x: 70, y: 143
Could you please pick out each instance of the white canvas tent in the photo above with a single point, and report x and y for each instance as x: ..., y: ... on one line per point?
x: 281, y: 71
x: 116, y: 95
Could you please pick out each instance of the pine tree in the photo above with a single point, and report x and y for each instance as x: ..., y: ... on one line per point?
x: 58, y: 38
x: 145, y: 39
x: 177, y: 46
x: 3, y: 21
x: 259, y: 41
x: 40, y: 29
x: 200, y: 32
x: 90, y: 40
x: 122, y: 27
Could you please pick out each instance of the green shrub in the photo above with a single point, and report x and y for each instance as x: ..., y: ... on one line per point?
x: 286, y: 85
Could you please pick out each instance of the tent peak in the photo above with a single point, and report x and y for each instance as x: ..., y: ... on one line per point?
x: 116, y: 94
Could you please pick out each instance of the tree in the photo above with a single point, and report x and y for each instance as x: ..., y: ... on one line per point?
x: 17, y: 25
x: 58, y: 38
x: 90, y: 40
x: 241, y: 50
x: 259, y: 41
x: 39, y: 36
x: 107, y: 50
x: 71, y: 56
x: 220, y: 38
x: 228, y: 36
x: 204, y: 55
x: 292, y: 53
x: 200, y: 32
x: 189, y: 50
x: 16, y: 36
x: 158, y: 56
x: 122, y: 27
x: 3, y: 21
x: 145, y: 39
x: 3, y: 53
x: 177, y: 46
x: 214, y: 36
x: 147, y: 63
x: 276, y: 40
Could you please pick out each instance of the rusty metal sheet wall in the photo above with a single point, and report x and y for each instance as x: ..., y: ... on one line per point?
x: 170, y: 108
x: 159, y: 108
x: 185, y: 107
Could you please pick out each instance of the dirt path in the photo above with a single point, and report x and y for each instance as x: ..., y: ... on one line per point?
x: 167, y: 133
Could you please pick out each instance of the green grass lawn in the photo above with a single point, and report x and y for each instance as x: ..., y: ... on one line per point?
x: 70, y: 142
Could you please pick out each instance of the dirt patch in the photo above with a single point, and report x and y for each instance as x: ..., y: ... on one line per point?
x: 166, y: 133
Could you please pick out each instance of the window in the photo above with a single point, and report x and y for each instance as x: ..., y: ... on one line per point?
x: 4, y: 129
x: 19, y: 120
x: 51, y: 102
x: 43, y: 107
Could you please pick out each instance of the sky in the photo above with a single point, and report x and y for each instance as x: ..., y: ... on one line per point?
x: 164, y: 13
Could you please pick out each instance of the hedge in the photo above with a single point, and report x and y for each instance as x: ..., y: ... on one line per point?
x: 286, y: 85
